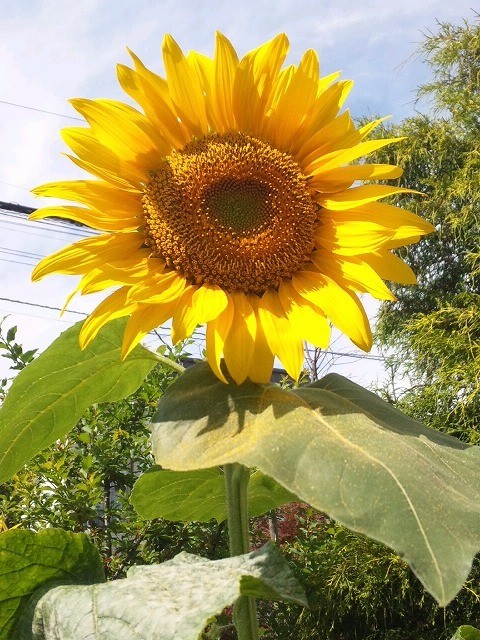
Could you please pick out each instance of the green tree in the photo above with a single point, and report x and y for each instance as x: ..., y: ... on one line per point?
x: 434, y: 329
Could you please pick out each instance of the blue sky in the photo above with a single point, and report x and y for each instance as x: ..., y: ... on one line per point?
x: 53, y: 50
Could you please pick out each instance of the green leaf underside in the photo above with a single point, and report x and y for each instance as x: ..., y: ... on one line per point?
x: 345, y: 452
x: 199, y: 496
x: 171, y: 601
x: 29, y: 561
x: 466, y: 632
x: 48, y: 397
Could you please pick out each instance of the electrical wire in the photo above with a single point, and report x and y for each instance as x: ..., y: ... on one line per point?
x: 53, y: 225
x: 17, y: 186
x: 51, y: 113
x: 43, y: 306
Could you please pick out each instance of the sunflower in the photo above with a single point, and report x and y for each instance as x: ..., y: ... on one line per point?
x: 229, y: 200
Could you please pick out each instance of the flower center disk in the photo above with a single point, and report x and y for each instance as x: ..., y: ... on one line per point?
x: 230, y: 210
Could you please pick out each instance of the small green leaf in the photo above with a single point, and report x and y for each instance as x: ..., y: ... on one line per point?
x: 11, y: 333
x: 28, y: 561
x: 466, y: 632
x: 48, y: 397
x: 199, y: 496
x: 344, y: 451
x: 171, y: 601
x: 28, y: 355
x: 180, y: 496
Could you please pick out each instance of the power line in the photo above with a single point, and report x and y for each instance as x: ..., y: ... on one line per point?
x: 59, y: 227
x: 359, y: 356
x: 166, y: 333
x: 18, y: 252
x: 356, y: 356
x: 18, y: 208
x: 51, y: 113
x: 17, y: 186
x: 44, y: 306
x: 28, y: 264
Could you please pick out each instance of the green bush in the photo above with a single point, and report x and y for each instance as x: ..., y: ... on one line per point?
x: 359, y: 590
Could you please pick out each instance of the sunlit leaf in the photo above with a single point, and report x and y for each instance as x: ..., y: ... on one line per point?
x: 466, y: 632
x: 345, y: 452
x: 199, y: 496
x: 30, y: 561
x: 48, y: 397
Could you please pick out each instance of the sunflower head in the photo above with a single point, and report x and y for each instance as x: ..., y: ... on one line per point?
x: 228, y: 199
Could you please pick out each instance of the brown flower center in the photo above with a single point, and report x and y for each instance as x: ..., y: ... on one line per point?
x: 230, y: 210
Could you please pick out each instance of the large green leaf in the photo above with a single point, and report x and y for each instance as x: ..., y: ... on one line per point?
x: 199, y: 496
x: 466, y: 632
x: 345, y: 452
x: 29, y: 561
x: 49, y: 396
x: 170, y: 601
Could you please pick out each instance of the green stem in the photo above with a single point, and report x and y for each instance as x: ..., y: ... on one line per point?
x: 170, y: 363
x: 236, y: 479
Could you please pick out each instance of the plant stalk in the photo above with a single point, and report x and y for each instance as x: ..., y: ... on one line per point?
x: 170, y: 363
x: 236, y: 479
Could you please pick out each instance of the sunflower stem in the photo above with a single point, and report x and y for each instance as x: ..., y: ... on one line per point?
x: 236, y: 479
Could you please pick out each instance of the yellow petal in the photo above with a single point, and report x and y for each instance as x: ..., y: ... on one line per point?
x: 205, y: 68
x: 294, y: 102
x: 353, y: 273
x: 326, y: 107
x: 240, y: 342
x: 156, y: 90
x: 283, y: 342
x: 96, y: 195
x: 91, y: 252
x: 254, y: 80
x: 390, y: 267
x: 306, y: 319
x: 144, y: 319
x: 263, y: 359
x: 210, y: 301
x: 151, y: 92
x: 161, y: 286
x: 185, y: 88
x: 202, y: 304
x: 115, y: 306
x: 180, y: 328
x: 352, y: 237
x: 125, y: 131
x: 335, y: 180
x: 100, y: 161
x: 332, y: 137
x: 92, y: 282
x: 115, y: 274
x: 400, y: 222
x: 344, y: 156
x: 216, y: 334
x: 358, y: 196
x: 280, y: 86
x: 93, y: 219
x: 342, y: 307
x: 131, y: 272
x: 226, y: 63
x: 367, y: 129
